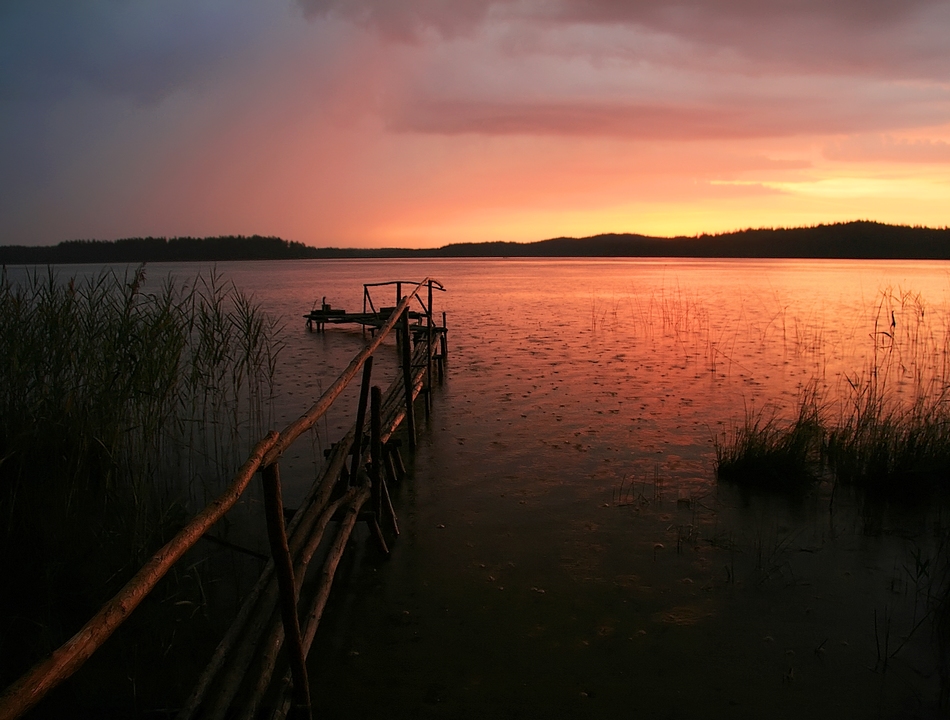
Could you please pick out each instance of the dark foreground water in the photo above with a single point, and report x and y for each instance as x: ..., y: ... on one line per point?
x: 566, y: 550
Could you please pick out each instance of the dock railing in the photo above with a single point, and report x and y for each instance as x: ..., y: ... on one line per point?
x: 291, y: 554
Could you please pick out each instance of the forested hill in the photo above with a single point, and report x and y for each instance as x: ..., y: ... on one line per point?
x: 152, y: 249
x: 843, y: 240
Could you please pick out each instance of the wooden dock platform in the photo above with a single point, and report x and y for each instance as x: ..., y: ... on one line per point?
x: 371, y: 317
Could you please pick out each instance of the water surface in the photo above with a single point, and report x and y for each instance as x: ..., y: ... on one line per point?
x: 566, y: 550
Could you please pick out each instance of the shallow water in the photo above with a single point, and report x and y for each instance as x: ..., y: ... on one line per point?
x: 565, y: 549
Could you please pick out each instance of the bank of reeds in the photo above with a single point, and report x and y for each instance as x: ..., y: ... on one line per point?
x: 891, y: 435
x: 112, y: 401
x: 768, y: 453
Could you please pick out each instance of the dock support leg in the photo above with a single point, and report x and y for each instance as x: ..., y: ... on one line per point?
x: 283, y: 565
x: 407, y: 378
x: 376, y: 467
x: 360, y: 420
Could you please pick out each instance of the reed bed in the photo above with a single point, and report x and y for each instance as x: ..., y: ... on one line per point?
x: 889, y: 432
x: 113, y: 402
x: 767, y: 453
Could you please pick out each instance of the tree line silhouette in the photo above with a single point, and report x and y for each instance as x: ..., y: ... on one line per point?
x: 852, y: 240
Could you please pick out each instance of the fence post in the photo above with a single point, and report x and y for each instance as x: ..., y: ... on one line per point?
x: 283, y: 565
x: 428, y: 384
x: 407, y: 378
x: 375, y: 468
x: 360, y: 420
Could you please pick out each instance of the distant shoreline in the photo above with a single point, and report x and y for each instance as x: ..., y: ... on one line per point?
x: 857, y: 240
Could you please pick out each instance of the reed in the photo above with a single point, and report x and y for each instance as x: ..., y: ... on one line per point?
x: 113, y: 402
x: 891, y: 434
x: 766, y: 452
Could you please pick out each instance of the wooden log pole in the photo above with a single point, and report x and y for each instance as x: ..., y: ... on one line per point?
x: 360, y: 420
x: 319, y: 601
x: 376, y: 451
x: 376, y: 468
x: 407, y: 379
x: 308, y: 419
x: 240, y: 647
x: 268, y: 646
x: 443, y: 341
x: 26, y: 692
x: 397, y: 458
x: 388, y: 504
x: 283, y: 564
x: 389, y: 466
x: 429, y: 323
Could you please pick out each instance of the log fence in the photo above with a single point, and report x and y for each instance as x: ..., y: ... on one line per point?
x: 247, y: 676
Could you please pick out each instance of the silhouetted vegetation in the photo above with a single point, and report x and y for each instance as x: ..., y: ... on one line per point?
x: 891, y: 434
x: 765, y: 453
x: 853, y: 240
x: 116, y: 408
x: 152, y: 249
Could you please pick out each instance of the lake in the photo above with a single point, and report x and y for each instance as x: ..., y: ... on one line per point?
x: 566, y: 550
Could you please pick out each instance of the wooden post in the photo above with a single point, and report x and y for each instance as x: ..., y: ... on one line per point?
x: 32, y: 687
x: 389, y: 466
x: 283, y: 565
x: 444, y: 341
x: 397, y: 458
x: 407, y: 378
x: 428, y: 383
x: 376, y: 450
x: 376, y: 474
x: 360, y: 419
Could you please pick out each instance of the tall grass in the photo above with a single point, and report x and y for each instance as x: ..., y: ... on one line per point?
x: 891, y: 431
x: 112, y: 400
x: 765, y: 452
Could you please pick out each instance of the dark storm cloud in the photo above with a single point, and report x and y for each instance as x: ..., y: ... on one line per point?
x: 71, y: 69
x: 406, y: 21
x: 49, y: 48
x: 906, y: 39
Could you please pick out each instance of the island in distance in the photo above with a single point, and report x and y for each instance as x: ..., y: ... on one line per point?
x: 852, y: 240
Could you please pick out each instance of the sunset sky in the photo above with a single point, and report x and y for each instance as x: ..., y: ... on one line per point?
x: 424, y: 122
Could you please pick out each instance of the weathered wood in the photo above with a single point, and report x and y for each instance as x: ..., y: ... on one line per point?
x: 268, y: 647
x: 429, y: 335
x: 32, y: 687
x: 307, y: 420
x: 360, y: 419
x: 239, y: 647
x: 407, y: 377
x: 251, y: 645
x: 388, y: 506
x: 389, y: 466
x: 319, y: 601
x: 284, y: 569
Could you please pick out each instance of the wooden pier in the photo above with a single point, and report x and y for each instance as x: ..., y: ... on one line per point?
x: 259, y: 669
x: 371, y: 317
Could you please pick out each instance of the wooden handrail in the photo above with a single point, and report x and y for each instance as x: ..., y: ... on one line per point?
x: 32, y: 687
x: 319, y: 408
x: 26, y: 692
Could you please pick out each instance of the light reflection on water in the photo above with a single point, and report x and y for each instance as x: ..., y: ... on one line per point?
x: 566, y: 550
x: 573, y: 437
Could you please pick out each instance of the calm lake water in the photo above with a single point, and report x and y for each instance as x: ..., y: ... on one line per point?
x: 566, y: 550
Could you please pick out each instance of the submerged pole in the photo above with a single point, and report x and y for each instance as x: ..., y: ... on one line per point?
x: 360, y: 420
x: 284, y: 566
x: 407, y: 377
